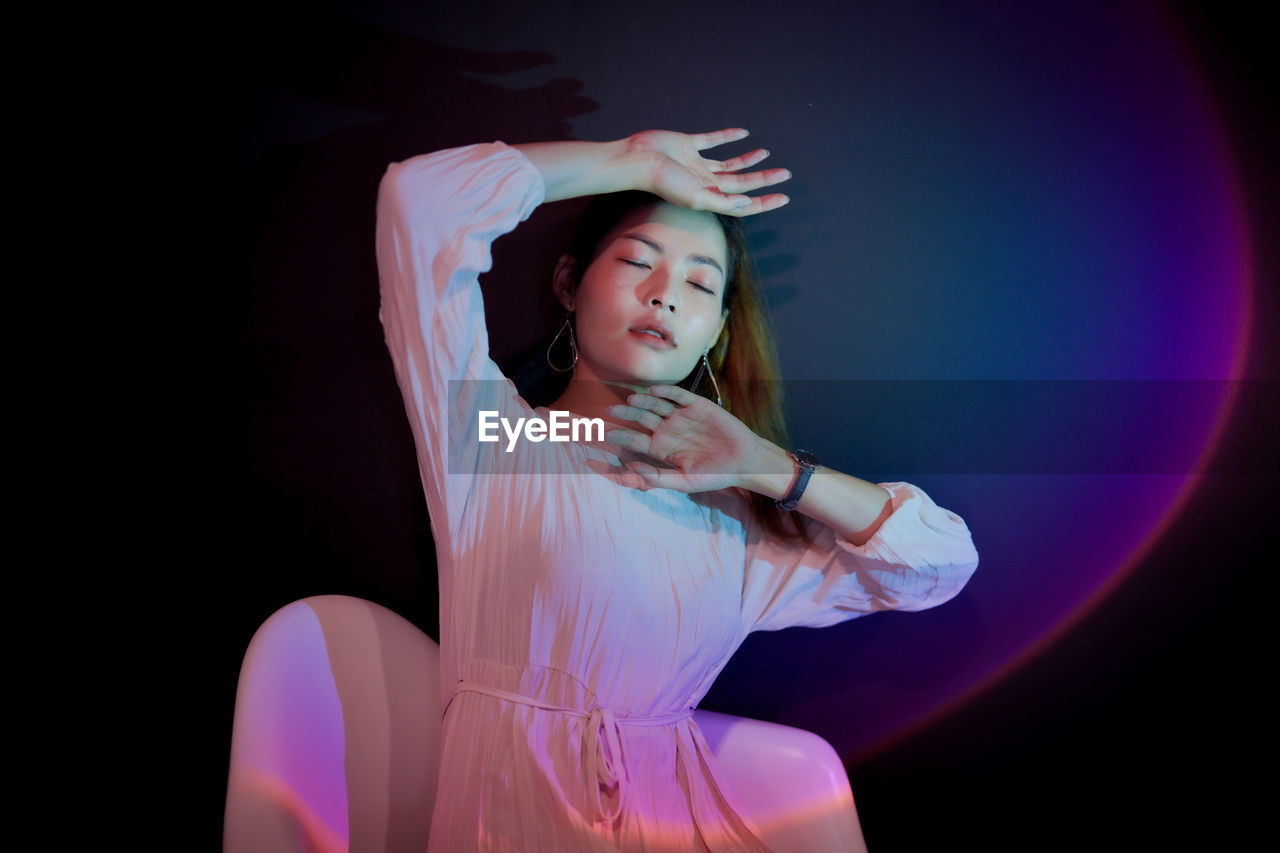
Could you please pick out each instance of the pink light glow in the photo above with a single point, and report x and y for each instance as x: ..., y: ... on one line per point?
x: 289, y: 745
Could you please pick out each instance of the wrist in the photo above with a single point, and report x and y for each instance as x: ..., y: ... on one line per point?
x: 618, y: 166
x: 637, y: 162
x: 770, y: 471
x: 571, y: 168
x: 806, y: 465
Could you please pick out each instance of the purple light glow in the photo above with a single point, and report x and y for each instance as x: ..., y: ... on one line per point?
x: 1202, y: 294
x: 1083, y: 220
x: 1154, y: 504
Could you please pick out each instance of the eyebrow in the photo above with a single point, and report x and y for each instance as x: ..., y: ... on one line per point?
x: 657, y: 247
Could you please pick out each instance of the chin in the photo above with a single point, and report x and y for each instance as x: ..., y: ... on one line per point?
x: 642, y: 375
x: 653, y: 378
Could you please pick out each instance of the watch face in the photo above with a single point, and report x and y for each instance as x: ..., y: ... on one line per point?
x: 804, y: 457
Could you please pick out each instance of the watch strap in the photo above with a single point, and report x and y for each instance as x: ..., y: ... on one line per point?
x: 806, y: 462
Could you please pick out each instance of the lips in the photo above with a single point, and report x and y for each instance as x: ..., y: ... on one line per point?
x: 655, y: 334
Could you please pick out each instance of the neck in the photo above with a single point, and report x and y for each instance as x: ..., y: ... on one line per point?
x: 591, y: 397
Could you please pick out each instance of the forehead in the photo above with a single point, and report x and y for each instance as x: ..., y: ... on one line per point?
x: 679, y: 230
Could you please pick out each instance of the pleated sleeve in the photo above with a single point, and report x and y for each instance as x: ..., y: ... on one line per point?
x: 921, y: 556
x: 437, y: 216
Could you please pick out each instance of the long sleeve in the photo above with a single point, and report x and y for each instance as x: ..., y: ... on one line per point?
x: 437, y: 216
x: 921, y: 556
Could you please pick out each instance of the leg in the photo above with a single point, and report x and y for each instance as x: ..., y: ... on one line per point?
x: 790, y: 781
x: 336, y: 734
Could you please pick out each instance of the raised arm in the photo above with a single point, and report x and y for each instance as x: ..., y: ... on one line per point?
x: 662, y: 162
x: 438, y: 215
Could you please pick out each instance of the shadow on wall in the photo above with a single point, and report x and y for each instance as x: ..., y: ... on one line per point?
x: 333, y: 500
x: 333, y: 503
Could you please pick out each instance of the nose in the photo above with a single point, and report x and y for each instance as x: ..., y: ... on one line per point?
x: 662, y: 291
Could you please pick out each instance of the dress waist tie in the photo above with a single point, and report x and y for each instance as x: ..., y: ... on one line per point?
x: 605, y: 759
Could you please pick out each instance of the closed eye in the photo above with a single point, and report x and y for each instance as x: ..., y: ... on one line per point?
x: 645, y: 266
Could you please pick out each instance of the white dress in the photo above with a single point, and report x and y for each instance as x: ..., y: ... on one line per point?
x: 583, y: 619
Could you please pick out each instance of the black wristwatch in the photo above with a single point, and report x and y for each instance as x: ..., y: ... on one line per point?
x: 807, y: 462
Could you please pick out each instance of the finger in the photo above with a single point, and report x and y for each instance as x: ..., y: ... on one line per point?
x: 718, y: 137
x: 661, y: 478
x: 648, y: 472
x: 662, y: 408
x: 752, y: 180
x: 645, y: 418
x: 676, y: 394
x: 717, y: 200
x: 737, y: 204
x: 742, y: 161
x: 758, y: 204
x: 713, y: 200
x: 628, y: 439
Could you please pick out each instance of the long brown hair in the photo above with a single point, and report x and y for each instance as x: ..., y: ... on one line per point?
x: 743, y: 359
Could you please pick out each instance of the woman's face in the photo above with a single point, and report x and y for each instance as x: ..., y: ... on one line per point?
x: 650, y: 303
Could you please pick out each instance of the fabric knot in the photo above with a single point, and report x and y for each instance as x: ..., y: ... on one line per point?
x: 606, y: 764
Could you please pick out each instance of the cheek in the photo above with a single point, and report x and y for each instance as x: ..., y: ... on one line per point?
x: 597, y: 306
x: 705, y: 328
x: 598, y: 294
x: 597, y: 321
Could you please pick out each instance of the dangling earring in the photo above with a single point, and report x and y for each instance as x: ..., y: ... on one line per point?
x: 706, y: 368
x: 573, y: 346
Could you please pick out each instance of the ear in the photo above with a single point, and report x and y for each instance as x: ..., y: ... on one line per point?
x: 564, y: 282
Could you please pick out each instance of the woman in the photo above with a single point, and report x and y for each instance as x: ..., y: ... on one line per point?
x: 591, y: 590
